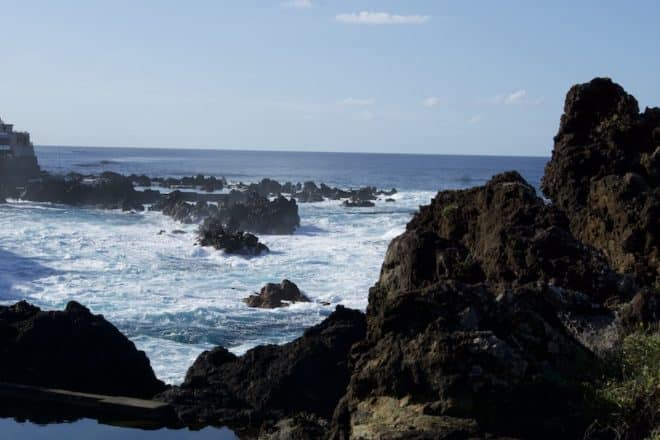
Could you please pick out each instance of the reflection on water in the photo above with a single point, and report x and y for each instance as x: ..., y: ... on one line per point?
x: 90, y: 429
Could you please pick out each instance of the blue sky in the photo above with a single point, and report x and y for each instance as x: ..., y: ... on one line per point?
x: 466, y: 77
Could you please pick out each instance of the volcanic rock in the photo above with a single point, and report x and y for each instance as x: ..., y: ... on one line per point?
x: 268, y: 383
x: 259, y: 215
x: 276, y: 295
x: 71, y: 349
x: 213, y: 233
x: 604, y: 174
x: 464, y: 323
x: 109, y: 190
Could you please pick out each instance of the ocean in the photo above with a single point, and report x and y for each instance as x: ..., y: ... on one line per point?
x: 174, y: 299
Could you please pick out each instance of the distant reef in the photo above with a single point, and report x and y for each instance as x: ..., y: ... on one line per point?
x: 496, y: 314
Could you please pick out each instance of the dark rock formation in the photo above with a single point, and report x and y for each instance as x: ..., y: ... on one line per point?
x: 175, y: 206
x: 604, y: 174
x: 109, y: 190
x: 270, y: 382
x: 276, y: 295
x: 71, y: 349
x: 200, y: 181
x: 467, y: 323
x: 259, y: 215
x: 213, y: 233
x: 358, y: 204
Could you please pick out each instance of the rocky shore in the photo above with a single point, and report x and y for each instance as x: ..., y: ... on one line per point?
x: 494, y: 316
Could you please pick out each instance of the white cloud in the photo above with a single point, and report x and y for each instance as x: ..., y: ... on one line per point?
x: 367, y: 17
x: 358, y: 101
x: 298, y: 4
x: 475, y: 119
x: 431, y: 101
x: 515, y: 97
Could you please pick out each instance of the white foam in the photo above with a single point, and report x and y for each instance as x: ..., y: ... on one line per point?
x: 174, y: 298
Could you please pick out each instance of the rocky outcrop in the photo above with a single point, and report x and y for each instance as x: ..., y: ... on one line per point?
x: 213, y: 233
x: 208, y: 184
x: 259, y: 215
x: 175, y: 206
x: 604, y: 174
x: 269, y: 383
x: 276, y: 295
x: 469, y: 322
x: 109, y: 190
x: 71, y: 349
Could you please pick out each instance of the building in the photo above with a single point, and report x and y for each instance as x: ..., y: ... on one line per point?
x: 17, y: 143
x: 18, y: 163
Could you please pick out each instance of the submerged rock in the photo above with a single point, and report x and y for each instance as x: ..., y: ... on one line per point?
x: 270, y: 383
x: 71, y: 349
x: 604, y: 174
x: 358, y: 204
x: 276, y: 295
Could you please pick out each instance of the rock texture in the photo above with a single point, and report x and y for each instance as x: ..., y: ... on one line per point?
x: 467, y: 323
x: 71, y: 349
x: 214, y: 233
x: 276, y: 295
x: 109, y: 190
x: 259, y: 215
x: 306, y: 376
x: 604, y: 174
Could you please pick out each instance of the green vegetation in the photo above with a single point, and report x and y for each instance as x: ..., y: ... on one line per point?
x: 627, y: 398
x: 449, y: 210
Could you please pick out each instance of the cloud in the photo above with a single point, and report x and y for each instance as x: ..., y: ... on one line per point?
x: 515, y: 97
x: 367, y: 17
x: 431, y: 101
x: 358, y: 101
x: 476, y: 119
x: 518, y: 97
x: 297, y: 4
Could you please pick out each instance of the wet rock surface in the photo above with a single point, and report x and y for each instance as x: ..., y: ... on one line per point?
x: 214, y: 233
x: 268, y: 383
x: 604, y: 174
x: 71, y: 349
x: 108, y: 190
x: 276, y: 295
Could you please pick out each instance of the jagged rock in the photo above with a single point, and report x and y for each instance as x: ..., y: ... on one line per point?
x: 109, y: 190
x: 464, y: 321
x: 270, y: 383
x: 604, y: 174
x: 213, y: 233
x: 276, y: 295
x: 71, y: 349
x: 259, y: 215
x: 208, y: 184
x: 175, y: 206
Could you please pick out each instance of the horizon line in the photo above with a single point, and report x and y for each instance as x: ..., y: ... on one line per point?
x: 293, y: 151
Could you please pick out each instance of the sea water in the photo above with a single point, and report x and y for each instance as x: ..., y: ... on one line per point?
x: 174, y: 299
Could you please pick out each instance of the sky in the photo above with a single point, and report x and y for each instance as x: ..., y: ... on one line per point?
x: 432, y: 77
